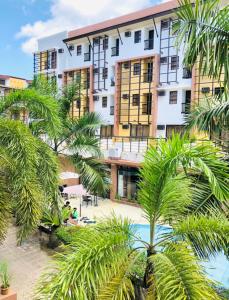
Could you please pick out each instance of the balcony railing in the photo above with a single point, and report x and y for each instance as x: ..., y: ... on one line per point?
x: 185, y: 108
x: 148, y: 77
x: 148, y: 44
x: 114, y: 51
x: 87, y: 56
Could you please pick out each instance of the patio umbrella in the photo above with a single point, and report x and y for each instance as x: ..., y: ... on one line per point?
x: 76, y: 190
x: 68, y: 175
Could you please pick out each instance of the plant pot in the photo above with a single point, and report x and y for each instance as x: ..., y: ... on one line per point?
x: 4, y: 291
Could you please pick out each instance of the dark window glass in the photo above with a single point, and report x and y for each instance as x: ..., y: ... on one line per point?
x: 137, y: 36
x: 174, y: 62
x: 79, y: 50
x: 173, y: 97
x: 105, y: 73
x: 105, y: 43
x: 136, y: 99
x: 163, y: 60
x: 2, y: 81
x: 164, y: 24
x: 137, y: 69
x: 219, y: 91
x: 78, y: 103
x: 104, y: 102
x: 139, y: 131
x: 106, y: 131
x: 53, y: 60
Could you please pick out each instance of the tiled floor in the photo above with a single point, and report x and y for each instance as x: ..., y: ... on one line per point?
x: 26, y: 262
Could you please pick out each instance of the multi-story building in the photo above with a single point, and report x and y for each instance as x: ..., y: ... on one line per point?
x: 130, y: 72
x: 9, y: 83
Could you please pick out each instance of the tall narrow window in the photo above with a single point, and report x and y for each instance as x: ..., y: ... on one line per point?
x: 105, y: 43
x: 79, y: 50
x: 104, y: 101
x: 137, y: 36
x: 105, y: 73
x: 173, y: 97
x: 137, y: 69
x: 174, y: 62
x: 135, y: 99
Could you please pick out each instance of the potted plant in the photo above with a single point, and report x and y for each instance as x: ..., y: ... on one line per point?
x: 5, y: 278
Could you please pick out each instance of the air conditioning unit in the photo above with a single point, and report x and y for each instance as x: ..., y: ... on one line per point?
x: 71, y: 47
x: 125, y: 126
x: 95, y: 98
x: 61, y: 50
x: 126, y: 65
x: 128, y: 34
x: 161, y: 93
x: 125, y: 96
x: 160, y: 127
x: 163, y: 59
x: 60, y: 76
x: 205, y: 90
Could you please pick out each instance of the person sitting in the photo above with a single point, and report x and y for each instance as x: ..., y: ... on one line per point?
x: 74, y: 214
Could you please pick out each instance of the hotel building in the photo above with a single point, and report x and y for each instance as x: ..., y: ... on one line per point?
x: 130, y: 72
x: 9, y: 83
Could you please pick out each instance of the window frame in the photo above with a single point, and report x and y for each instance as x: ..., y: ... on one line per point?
x: 172, y: 98
x: 137, y: 69
x: 137, y: 36
x: 79, y: 50
x: 135, y: 100
x: 174, y: 65
x: 105, y: 73
x: 104, y: 101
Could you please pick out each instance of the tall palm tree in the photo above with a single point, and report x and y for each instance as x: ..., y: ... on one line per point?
x: 28, y: 177
x: 101, y: 263
x: 204, y: 29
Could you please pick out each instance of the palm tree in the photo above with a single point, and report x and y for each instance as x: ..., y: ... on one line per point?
x: 28, y: 177
x: 204, y: 29
x: 101, y: 263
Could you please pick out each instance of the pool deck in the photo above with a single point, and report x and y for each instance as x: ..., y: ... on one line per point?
x: 26, y: 262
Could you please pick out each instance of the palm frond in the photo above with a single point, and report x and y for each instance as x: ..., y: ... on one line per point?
x: 177, y: 275
x: 85, y: 145
x: 86, y: 264
x: 204, y: 28
x: 94, y: 174
x: 208, y: 235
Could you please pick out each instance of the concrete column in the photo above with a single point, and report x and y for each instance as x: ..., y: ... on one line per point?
x: 154, y: 108
x: 116, y: 98
x: 91, y: 101
x: 114, y: 181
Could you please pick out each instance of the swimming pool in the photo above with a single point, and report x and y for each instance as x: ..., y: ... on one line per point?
x: 217, y: 268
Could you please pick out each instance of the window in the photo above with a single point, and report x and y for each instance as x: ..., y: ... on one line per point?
x: 139, y: 130
x: 171, y: 129
x: 53, y: 60
x: 173, y: 97
x: 104, y: 101
x: 105, y: 73
x: 105, y: 43
x: 137, y: 69
x: 126, y: 65
x: 174, y: 62
x: 2, y: 82
x: 79, y: 50
x: 147, y: 104
x: 219, y: 91
x: 111, y: 110
x: 106, y: 131
x: 163, y: 60
x: 135, y: 99
x: 78, y: 103
x: 137, y: 36
x: 164, y: 24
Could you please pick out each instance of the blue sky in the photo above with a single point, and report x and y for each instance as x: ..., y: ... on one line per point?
x: 23, y: 21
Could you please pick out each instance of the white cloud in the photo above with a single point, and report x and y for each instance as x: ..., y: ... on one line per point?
x: 71, y: 14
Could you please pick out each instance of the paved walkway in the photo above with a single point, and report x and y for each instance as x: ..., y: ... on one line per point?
x: 26, y: 263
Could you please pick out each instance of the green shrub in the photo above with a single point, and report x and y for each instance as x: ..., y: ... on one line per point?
x: 66, y: 234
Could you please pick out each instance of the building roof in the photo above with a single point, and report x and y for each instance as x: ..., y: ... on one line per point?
x: 131, y: 18
x: 8, y: 77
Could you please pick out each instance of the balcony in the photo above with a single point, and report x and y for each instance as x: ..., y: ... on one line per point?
x: 147, y: 77
x: 185, y: 108
x: 87, y: 56
x: 114, y: 51
x: 187, y: 73
x: 148, y: 44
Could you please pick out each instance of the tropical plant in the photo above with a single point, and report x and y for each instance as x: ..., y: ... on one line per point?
x: 4, y: 275
x: 28, y: 177
x: 101, y: 263
x: 204, y: 29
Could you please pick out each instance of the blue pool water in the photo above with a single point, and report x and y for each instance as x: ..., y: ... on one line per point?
x: 217, y: 268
